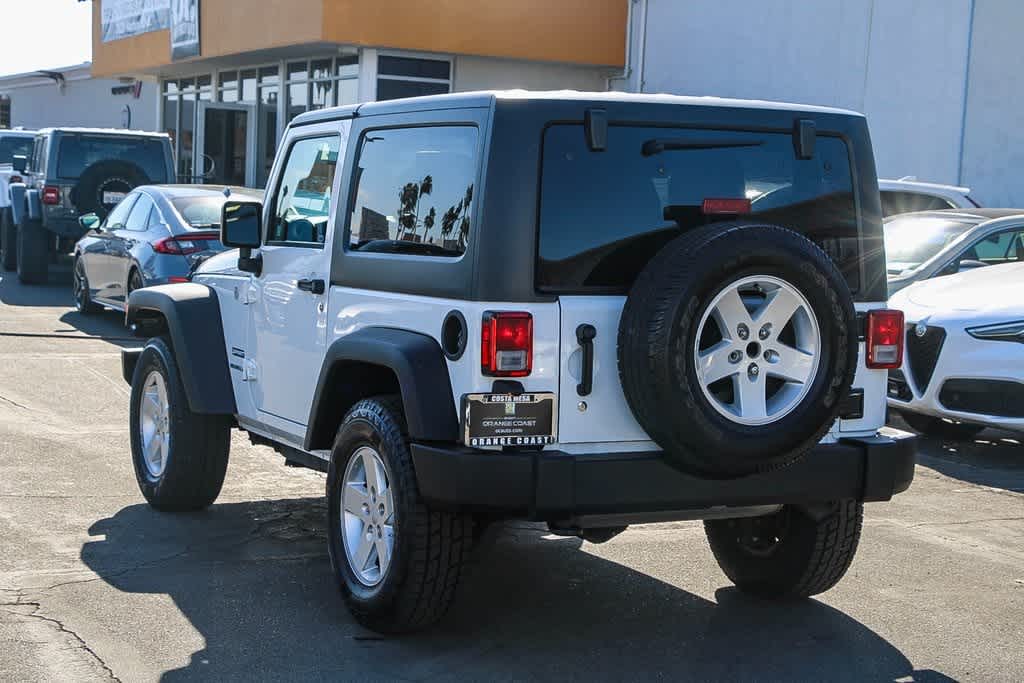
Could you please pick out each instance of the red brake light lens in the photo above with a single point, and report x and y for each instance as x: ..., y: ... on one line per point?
x: 885, y: 339
x: 51, y: 195
x: 506, y: 344
x: 712, y: 206
x: 184, y: 245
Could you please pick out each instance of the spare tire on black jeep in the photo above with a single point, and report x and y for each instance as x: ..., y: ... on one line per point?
x: 736, y: 344
x: 120, y: 177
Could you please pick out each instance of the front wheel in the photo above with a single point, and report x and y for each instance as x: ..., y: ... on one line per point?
x: 396, y: 561
x: 938, y: 428
x: 180, y: 457
x: 794, y: 553
x: 81, y: 290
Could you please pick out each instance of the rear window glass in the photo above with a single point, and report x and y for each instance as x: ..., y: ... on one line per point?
x: 199, y: 212
x: 79, y: 152
x: 897, y: 202
x: 11, y: 145
x: 603, y: 215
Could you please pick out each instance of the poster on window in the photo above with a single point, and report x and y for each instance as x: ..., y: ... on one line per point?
x: 124, y: 18
x: 184, y: 29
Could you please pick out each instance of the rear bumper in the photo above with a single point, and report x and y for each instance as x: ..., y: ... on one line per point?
x: 551, y: 485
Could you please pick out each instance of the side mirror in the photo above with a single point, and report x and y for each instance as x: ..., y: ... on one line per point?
x: 970, y: 264
x: 89, y: 221
x: 240, y: 226
x: 19, y: 163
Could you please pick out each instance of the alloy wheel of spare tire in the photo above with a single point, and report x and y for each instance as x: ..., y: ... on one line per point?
x: 736, y: 344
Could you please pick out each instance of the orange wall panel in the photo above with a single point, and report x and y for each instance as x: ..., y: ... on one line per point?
x: 577, y: 31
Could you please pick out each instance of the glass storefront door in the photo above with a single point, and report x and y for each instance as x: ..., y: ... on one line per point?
x: 226, y: 144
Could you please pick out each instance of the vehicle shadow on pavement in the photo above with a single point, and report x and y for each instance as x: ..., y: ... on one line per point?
x: 254, y: 581
x: 55, y: 293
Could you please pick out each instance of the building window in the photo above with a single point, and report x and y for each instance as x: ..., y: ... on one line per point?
x: 5, y: 112
x: 412, y: 77
x: 321, y: 83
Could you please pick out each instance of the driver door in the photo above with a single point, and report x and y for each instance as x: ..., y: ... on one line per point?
x: 288, y: 310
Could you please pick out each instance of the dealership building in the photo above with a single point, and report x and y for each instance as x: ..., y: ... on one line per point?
x: 939, y: 79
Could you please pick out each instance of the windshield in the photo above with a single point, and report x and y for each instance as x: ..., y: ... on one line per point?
x: 199, y: 212
x: 11, y: 145
x: 912, y: 240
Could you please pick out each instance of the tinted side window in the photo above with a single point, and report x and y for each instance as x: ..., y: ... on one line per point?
x: 302, y: 204
x: 904, y: 202
x: 12, y: 145
x: 138, y: 219
x: 604, y: 215
x: 119, y: 216
x: 415, y: 190
x: 997, y: 248
x: 78, y: 152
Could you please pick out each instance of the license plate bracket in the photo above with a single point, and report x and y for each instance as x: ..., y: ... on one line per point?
x: 509, y: 420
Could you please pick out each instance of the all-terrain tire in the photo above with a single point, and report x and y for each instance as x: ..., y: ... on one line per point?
x: 795, y: 553
x: 659, y: 333
x: 431, y: 547
x: 8, y: 240
x: 940, y: 429
x: 197, y: 445
x: 33, y: 252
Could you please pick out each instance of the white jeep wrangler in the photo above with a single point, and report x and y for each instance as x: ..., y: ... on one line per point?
x: 591, y: 310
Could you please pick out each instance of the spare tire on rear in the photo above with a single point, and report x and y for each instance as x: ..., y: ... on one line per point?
x: 104, y: 183
x: 736, y: 344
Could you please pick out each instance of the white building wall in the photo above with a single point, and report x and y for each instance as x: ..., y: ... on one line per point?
x: 994, y: 133
x: 487, y: 73
x: 87, y: 102
x: 901, y: 62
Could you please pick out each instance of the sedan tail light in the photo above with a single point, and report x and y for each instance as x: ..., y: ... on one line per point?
x: 185, y: 244
x: 885, y: 339
x: 506, y: 344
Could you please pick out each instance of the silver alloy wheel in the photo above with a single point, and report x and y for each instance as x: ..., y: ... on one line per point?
x: 767, y: 342
x: 155, y: 422
x: 367, y: 516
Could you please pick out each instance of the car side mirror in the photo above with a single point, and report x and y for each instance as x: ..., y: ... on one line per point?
x: 19, y: 163
x: 969, y: 264
x: 240, y: 226
x: 89, y: 221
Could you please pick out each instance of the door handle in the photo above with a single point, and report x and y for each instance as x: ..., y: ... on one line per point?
x: 585, y: 337
x: 312, y: 286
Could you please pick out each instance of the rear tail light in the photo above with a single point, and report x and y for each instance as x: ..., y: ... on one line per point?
x: 506, y: 344
x: 51, y: 195
x: 176, y: 279
x: 885, y: 339
x: 185, y: 244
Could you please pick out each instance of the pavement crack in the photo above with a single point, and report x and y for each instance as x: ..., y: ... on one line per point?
x: 967, y: 521
x: 36, y: 613
x: 13, y: 402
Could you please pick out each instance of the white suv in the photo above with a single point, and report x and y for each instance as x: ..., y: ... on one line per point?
x: 590, y: 310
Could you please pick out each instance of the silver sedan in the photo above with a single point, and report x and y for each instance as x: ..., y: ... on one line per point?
x: 919, y: 246
x: 155, y: 235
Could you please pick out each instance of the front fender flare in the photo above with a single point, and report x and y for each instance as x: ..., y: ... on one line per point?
x: 193, y: 323
x: 422, y: 372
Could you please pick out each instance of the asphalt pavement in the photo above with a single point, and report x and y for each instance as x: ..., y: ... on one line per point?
x: 96, y: 585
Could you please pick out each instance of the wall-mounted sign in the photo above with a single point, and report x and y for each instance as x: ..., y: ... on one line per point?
x: 184, y: 29
x: 124, y: 18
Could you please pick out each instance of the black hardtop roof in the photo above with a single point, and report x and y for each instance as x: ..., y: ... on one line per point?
x: 487, y: 98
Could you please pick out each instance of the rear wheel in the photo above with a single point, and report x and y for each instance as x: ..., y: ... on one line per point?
x: 795, y: 552
x: 33, y: 252
x: 81, y: 290
x: 8, y: 240
x: 180, y: 457
x: 940, y: 428
x: 397, y: 562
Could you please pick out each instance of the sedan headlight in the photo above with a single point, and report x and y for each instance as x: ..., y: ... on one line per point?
x: 1013, y: 332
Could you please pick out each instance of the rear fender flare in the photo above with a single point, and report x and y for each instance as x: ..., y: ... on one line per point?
x: 191, y: 315
x: 418, y: 364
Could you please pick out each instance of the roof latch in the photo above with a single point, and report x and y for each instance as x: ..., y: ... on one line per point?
x: 804, y: 135
x: 595, y: 126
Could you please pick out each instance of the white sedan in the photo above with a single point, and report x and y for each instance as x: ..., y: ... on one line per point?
x: 963, y: 367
